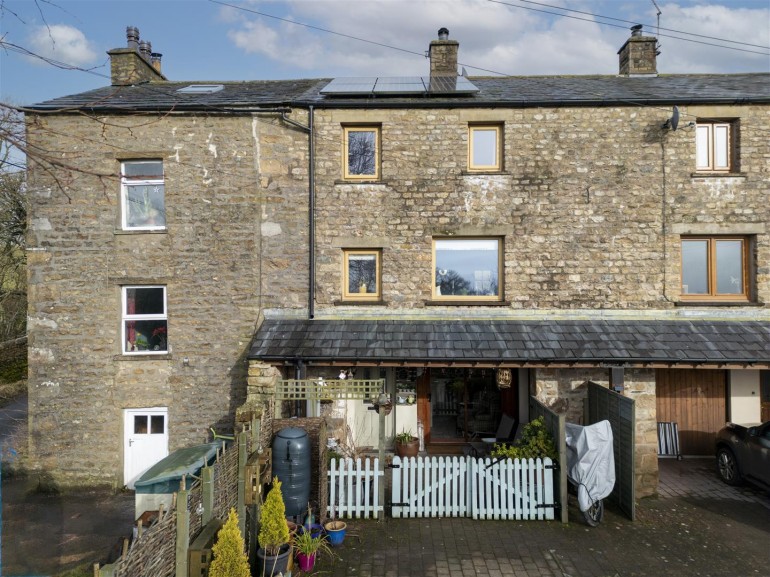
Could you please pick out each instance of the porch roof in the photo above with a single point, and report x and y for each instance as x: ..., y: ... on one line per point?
x: 514, y: 343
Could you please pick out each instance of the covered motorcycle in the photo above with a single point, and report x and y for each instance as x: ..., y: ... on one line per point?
x: 591, y: 466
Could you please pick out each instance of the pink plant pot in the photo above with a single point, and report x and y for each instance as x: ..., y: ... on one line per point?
x: 306, y: 562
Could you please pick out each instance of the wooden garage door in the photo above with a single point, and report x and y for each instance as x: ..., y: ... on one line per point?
x: 695, y: 399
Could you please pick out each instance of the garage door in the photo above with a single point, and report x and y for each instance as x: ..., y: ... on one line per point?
x: 695, y: 399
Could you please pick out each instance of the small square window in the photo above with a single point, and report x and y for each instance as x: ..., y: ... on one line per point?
x: 484, y: 148
x: 143, y: 195
x: 467, y: 269
x: 361, y: 275
x: 714, y: 268
x: 714, y: 146
x: 145, y: 323
x: 361, y: 152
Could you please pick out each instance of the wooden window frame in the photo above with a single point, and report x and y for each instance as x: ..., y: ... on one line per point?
x: 358, y: 296
x: 470, y: 298
x: 712, y: 127
x: 127, y: 317
x: 498, y: 129
x: 127, y: 182
x: 346, y: 130
x: 712, y: 269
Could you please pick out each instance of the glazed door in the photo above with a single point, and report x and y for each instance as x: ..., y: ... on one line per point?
x: 424, y: 404
x: 146, y: 441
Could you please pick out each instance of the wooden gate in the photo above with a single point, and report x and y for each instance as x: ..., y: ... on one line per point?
x: 477, y: 488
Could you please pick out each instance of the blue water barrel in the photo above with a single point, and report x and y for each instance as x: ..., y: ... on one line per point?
x: 291, y: 464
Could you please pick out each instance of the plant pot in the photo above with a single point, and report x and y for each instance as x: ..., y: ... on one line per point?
x: 410, y: 449
x: 269, y: 565
x: 306, y: 562
x: 335, y: 531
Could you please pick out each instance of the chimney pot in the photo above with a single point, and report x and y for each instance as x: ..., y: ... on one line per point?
x: 443, y: 34
x: 636, y: 30
x: 132, y: 35
x: 145, y: 49
x: 155, y: 60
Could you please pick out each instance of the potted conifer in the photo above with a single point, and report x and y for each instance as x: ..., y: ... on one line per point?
x: 229, y: 557
x: 274, y: 539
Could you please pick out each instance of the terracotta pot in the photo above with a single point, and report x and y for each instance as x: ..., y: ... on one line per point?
x: 410, y: 449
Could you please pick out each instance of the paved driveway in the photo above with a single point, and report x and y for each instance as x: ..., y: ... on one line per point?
x: 697, y: 527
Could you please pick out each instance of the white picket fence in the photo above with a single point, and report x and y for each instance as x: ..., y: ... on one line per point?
x: 469, y: 487
x: 354, y: 489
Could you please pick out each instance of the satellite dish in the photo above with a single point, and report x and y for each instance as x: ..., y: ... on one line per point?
x: 673, y: 122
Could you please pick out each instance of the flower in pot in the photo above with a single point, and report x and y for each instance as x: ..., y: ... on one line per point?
x: 407, y: 444
x: 273, y: 553
x: 308, y: 547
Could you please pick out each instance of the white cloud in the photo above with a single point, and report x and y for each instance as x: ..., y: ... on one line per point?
x: 492, y: 36
x: 61, y: 43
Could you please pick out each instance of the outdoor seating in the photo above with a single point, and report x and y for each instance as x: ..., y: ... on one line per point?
x: 506, y: 433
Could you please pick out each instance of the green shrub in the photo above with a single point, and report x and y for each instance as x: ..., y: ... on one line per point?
x: 229, y: 557
x: 273, y: 530
x: 535, y: 443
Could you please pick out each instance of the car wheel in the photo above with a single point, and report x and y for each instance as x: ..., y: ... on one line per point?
x: 728, y: 467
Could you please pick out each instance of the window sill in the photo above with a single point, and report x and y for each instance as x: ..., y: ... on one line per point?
x: 362, y: 181
x: 132, y: 232
x: 716, y: 174
x: 718, y: 304
x: 140, y: 357
x: 460, y: 303
x: 485, y: 173
x: 358, y: 303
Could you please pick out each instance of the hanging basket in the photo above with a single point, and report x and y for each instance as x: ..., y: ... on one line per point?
x: 504, y: 378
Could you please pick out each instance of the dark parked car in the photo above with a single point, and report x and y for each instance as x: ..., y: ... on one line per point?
x: 744, y: 453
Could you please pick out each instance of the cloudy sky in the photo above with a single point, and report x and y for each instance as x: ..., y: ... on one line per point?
x: 262, y: 39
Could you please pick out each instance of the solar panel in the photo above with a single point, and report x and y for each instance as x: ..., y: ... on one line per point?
x: 350, y: 86
x: 399, y: 86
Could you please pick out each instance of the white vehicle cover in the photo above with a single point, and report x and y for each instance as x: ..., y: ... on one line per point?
x: 590, y: 461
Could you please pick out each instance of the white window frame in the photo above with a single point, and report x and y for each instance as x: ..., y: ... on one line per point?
x: 126, y: 318
x: 126, y: 183
x: 498, y: 131
x: 713, y: 146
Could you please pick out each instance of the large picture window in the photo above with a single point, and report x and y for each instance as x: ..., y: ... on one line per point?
x: 713, y: 146
x: 143, y: 195
x: 361, y: 152
x: 362, y: 275
x: 714, y: 268
x: 467, y: 269
x: 484, y: 148
x: 145, y: 322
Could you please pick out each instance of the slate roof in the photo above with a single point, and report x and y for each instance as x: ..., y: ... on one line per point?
x: 520, y: 91
x: 537, y: 342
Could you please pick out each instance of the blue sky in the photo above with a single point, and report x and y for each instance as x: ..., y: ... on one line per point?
x: 205, y: 40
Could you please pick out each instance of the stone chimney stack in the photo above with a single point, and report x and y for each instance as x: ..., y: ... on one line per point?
x: 443, y: 55
x: 639, y: 55
x: 135, y: 64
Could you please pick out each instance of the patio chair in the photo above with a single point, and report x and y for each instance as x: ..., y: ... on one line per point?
x: 506, y: 433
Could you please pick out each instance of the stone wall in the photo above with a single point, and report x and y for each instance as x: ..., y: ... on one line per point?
x: 591, y: 202
x: 235, y: 242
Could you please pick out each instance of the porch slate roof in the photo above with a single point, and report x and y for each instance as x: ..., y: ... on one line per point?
x: 506, y: 341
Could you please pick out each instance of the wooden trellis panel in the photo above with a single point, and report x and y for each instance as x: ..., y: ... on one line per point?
x: 328, y: 389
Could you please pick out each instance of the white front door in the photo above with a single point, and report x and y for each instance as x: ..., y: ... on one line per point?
x: 146, y: 441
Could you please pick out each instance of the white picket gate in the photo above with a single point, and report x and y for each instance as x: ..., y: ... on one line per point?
x: 469, y: 487
x: 354, y: 489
